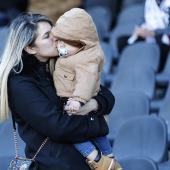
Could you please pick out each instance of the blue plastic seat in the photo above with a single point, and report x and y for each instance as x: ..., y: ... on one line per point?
x: 157, y: 103
x: 164, y: 165
x: 142, y: 136
x: 7, y: 146
x: 128, y: 3
x: 138, y: 163
x: 164, y: 113
x: 138, y: 78
x: 3, y: 36
x: 128, y: 104
x: 132, y: 14
x: 149, y: 55
x: 102, y: 15
x: 108, y: 52
x: 116, y: 32
x: 112, y: 5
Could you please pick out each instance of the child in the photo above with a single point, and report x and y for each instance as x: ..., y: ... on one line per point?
x: 77, y: 76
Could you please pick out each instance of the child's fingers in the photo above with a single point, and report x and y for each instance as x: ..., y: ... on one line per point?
x: 68, y: 102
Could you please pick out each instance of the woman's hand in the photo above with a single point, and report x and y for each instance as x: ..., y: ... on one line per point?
x: 143, y: 32
x: 92, y: 105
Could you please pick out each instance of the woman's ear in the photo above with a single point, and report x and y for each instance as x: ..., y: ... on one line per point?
x: 30, y: 50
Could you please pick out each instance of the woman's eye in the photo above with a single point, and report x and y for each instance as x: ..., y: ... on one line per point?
x: 46, y: 36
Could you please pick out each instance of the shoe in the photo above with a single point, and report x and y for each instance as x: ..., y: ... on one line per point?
x: 105, y: 163
x: 117, y: 165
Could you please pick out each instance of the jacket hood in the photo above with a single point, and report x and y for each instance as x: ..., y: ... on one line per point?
x: 77, y: 25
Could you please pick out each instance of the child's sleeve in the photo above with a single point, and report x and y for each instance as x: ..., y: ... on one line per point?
x: 87, y: 75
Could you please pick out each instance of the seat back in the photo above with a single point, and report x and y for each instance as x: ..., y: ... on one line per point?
x: 132, y: 55
x: 138, y: 78
x: 113, y: 5
x: 102, y: 15
x: 128, y: 104
x: 3, y: 36
x: 156, y: 105
x: 164, y: 113
x: 132, y: 14
x: 138, y: 163
x: 108, y: 52
x: 128, y: 3
x: 142, y: 136
x: 7, y: 146
x: 116, y: 32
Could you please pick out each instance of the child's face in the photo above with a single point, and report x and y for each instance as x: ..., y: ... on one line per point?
x: 71, y: 50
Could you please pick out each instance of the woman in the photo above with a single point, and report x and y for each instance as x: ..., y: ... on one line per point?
x: 155, y: 29
x: 27, y: 89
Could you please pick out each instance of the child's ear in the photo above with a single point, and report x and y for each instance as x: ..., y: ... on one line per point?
x: 30, y: 50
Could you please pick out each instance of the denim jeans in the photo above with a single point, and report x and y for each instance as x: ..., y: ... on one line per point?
x: 102, y: 143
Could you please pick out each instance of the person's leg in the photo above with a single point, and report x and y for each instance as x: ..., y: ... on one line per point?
x: 87, y: 149
x: 164, y: 50
x: 122, y: 43
x: 104, y: 146
x: 94, y: 158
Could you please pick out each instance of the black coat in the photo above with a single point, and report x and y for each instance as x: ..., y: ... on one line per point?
x: 38, y: 112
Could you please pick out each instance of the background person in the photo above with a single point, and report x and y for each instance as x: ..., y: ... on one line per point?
x: 155, y: 29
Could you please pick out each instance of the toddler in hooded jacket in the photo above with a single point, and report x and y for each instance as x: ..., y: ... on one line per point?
x: 77, y: 77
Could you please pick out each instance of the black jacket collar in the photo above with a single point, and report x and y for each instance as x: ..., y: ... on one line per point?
x: 32, y: 67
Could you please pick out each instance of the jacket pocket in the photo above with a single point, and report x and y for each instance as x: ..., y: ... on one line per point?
x: 65, y: 82
x: 66, y: 75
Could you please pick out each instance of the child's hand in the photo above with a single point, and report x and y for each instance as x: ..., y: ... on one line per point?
x: 73, y: 106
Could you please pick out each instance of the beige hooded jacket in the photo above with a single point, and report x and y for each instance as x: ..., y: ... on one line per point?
x: 78, y: 76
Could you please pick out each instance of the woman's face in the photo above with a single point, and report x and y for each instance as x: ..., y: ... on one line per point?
x: 45, y: 43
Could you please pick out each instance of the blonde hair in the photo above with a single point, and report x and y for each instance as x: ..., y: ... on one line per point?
x: 22, y: 33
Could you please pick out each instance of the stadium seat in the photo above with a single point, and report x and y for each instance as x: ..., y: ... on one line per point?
x: 133, y: 14
x: 102, y: 15
x: 116, y: 32
x: 149, y: 55
x: 138, y: 163
x: 3, y: 35
x: 142, y: 136
x: 108, y: 52
x: 138, y: 78
x: 156, y: 104
x: 164, y: 113
x: 128, y: 3
x: 128, y: 104
x: 7, y: 146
